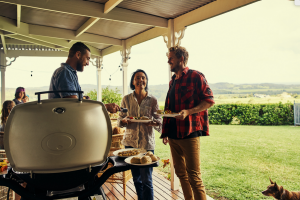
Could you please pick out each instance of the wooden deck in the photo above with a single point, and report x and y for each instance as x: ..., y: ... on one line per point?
x: 161, y: 186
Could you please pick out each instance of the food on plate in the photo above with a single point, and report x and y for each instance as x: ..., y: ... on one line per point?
x: 136, y: 160
x: 129, y: 152
x: 113, y: 115
x: 146, y: 160
x: 118, y: 130
x: 3, y: 165
x: 165, y: 112
x: 149, y: 153
x: 141, y: 118
x: 154, y: 158
x: 160, y: 111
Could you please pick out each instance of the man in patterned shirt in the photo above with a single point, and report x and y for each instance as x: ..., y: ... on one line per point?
x: 65, y: 77
x: 190, y: 96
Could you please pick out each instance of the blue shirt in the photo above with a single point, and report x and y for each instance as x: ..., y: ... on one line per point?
x: 64, y: 78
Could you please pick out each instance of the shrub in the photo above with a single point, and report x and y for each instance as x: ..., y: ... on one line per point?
x: 252, y: 114
x: 108, y: 95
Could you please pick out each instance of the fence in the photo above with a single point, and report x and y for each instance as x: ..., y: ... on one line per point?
x: 296, y: 113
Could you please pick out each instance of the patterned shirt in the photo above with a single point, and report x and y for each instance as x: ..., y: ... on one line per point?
x: 64, y: 78
x: 190, y: 89
x: 138, y: 135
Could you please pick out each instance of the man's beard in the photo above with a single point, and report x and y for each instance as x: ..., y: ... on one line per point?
x: 79, y: 66
x: 176, y: 68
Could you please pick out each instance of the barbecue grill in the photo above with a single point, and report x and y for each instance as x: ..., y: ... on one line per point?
x: 57, y: 147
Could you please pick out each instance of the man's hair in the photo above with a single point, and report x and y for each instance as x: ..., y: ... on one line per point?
x: 78, y: 46
x: 179, y: 52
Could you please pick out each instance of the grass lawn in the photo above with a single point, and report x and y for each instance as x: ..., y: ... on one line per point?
x: 237, y: 161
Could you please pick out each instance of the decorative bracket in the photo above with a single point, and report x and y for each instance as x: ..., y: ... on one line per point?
x: 10, y: 61
x: 125, y: 55
x: 177, y: 38
x: 97, y: 62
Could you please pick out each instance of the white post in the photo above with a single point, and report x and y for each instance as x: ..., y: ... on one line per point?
x: 125, y: 56
x: 3, y: 68
x: 171, y: 39
x: 99, y: 86
x: 125, y: 80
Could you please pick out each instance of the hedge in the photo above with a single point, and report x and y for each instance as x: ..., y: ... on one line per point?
x: 252, y: 114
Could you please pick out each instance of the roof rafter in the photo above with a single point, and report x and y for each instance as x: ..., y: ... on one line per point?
x: 18, y: 15
x: 92, y: 9
x: 90, y: 22
x: 3, y: 42
x: 69, y: 35
x: 109, y: 5
x: 22, y: 34
x: 208, y: 11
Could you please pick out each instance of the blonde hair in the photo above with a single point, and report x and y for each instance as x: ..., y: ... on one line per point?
x: 180, y: 52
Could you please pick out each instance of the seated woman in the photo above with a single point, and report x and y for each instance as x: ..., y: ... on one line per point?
x: 19, y: 95
x: 6, y: 109
x: 140, y: 135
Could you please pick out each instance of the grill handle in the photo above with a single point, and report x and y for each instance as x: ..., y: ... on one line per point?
x: 47, y: 92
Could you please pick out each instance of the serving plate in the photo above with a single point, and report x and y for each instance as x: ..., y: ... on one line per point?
x: 127, y: 160
x: 142, y: 152
x: 167, y: 115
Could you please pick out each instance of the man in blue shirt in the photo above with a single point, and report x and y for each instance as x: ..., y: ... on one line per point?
x: 65, y: 77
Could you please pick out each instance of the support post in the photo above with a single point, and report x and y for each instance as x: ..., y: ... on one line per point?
x: 173, y: 39
x: 99, y: 86
x: 3, y: 68
x: 125, y: 57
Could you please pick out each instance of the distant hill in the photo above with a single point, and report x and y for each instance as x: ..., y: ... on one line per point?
x: 160, y: 91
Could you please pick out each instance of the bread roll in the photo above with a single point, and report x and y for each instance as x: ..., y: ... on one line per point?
x: 154, y: 158
x: 146, y: 160
x: 149, y: 153
x: 136, y: 160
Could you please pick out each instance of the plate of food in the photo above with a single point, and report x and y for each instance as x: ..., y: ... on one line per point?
x: 129, y: 152
x: 166, y: 113
x: 142, y: 160
x: 143, y: 119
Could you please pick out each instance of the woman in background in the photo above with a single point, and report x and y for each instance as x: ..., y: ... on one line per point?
x: 19, y: 95
x: 6, y: 109
x: 140, y: 135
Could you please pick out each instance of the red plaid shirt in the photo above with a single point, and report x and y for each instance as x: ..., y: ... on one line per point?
x: 190, y: 89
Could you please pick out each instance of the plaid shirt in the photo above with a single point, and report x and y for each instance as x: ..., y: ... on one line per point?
x: 190, y: 89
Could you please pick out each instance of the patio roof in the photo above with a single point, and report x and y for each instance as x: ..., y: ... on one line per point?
x: 101, y: 24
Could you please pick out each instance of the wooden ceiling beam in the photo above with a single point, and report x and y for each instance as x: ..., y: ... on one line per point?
x: 109, y: 5
x: 89, y: 23
x: 93, y: 9
x: 18, y: 15
x: 208, y: 11
x: 3, y: 42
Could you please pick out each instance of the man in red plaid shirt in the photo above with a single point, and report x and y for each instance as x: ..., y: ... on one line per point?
x: 190, y: 96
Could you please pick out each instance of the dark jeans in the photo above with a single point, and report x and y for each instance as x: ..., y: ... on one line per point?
x: 142, y: 179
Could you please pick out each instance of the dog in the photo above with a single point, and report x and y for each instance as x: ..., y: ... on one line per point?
x: 279, y: 193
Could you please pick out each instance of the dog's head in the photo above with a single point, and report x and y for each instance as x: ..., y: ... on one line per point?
x: 273, y: 190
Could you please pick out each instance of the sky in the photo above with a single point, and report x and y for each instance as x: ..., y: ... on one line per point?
x: 258, y: 43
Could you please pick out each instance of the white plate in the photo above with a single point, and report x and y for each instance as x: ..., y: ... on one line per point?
x: 143, y: 151
x: 141, y: 120
x: 127, y: 160
x: 167, y: 115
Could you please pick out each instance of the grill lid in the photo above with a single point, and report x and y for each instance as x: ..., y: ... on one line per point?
x: 58, y: 135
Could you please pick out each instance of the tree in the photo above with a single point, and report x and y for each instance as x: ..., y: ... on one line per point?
x: 108, y: 95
